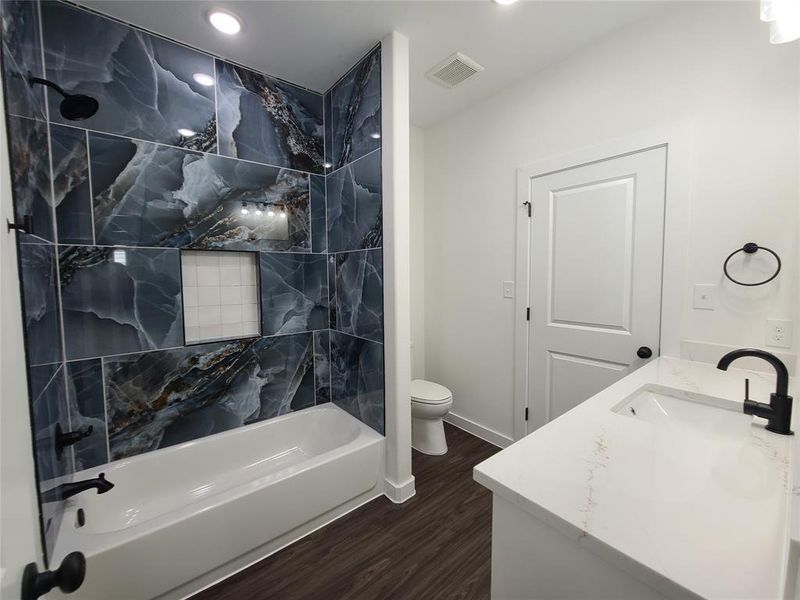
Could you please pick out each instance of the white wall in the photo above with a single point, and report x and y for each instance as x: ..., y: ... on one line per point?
x: 417, y: 253
x: 20, y: 541
x: 710, y: 64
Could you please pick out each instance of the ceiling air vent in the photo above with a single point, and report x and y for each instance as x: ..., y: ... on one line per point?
x: 453, y: 70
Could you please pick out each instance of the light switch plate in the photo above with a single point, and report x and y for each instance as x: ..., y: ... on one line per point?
x: 705, y: 296
x: 779, y: 333
x: 508, y: 289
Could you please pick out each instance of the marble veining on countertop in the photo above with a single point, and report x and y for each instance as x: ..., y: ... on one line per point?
x: 690, y: 513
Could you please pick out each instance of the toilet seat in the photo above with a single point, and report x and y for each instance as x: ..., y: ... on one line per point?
x: 427, y: 392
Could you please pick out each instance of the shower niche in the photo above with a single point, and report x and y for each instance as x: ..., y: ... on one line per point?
x: 221, y: 297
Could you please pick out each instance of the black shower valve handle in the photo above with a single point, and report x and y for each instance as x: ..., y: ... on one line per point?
x: 65, y: 439
x: 26, y: 225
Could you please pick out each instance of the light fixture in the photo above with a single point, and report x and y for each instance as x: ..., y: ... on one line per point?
x: 187, y: 133
x: 258, y: 210
x: 244, y: 208
x: 783, y: 17
x: 327, y: 165
x: 224, y: 21
x: 504, y: 2
x: 203, y: 79
x: 270, y: 213
x: 283, y: 213
x: 375, y: 135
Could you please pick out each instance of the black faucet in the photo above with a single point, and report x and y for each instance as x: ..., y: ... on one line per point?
x: 779, y: 410
x: 66, y: 490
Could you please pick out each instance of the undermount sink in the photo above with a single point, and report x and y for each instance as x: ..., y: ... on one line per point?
x: 667, y: 407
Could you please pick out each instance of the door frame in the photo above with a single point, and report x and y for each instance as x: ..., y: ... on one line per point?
x: 676, y: 138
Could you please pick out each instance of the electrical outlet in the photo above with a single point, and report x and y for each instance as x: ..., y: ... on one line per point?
x: 779, y: 333
x: 508, y: 289
x: 705, y: 296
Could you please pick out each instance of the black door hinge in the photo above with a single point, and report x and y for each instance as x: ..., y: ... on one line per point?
x: 528, y: 314
x: 526, y: 413
x: 529, y: 205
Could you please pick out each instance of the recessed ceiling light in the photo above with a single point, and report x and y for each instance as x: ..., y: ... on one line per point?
x: 186, y: 132
x: 225, y: 21
x: 327, y: 165
x: 504, y: 2
x: 203, y: 79
x: 375, y: 136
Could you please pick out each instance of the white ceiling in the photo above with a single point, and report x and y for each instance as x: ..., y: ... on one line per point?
x: 313, y: 42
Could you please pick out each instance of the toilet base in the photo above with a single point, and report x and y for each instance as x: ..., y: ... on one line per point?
x: 427, y: 436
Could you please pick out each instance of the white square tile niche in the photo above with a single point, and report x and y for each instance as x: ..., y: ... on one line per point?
x: 220, y: 295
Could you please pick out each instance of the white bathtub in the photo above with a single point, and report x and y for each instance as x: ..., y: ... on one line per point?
x: 181, y: 518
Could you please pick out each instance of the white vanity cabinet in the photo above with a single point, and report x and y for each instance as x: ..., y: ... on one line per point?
x: 657, y: 487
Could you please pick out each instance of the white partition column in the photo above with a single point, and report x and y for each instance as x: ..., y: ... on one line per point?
x: 395, y: 129
x: 19, y: 512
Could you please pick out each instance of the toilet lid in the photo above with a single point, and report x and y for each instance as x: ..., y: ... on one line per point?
x: 429, y: 392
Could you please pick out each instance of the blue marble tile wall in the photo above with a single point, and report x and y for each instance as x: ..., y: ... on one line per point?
x: 354, y: 217
x: 113, y: 200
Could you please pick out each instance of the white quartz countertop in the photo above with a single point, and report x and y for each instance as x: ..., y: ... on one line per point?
x: 691, y: 516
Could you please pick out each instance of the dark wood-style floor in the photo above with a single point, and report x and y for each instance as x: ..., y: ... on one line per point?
x: 436, y: 546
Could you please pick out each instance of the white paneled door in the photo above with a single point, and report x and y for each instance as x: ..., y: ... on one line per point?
x: 596, y: 243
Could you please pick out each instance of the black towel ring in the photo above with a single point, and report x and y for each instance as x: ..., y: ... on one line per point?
x: 752, y: 248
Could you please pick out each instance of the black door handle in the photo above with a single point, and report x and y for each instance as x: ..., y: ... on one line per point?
x: 68, y: 577
x: 644, y: 352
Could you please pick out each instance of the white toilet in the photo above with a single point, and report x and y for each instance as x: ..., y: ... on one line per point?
x: 429, y: 403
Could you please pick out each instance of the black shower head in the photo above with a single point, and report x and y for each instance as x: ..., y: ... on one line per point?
x: 75, y: 107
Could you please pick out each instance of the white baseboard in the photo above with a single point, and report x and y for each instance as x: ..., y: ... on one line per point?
x: 399, y: 493
x: 485, y: 433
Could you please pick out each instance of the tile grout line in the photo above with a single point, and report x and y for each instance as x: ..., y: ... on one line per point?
x: 314, y: 362
x: 56, y: 261
x: 91, y: 188
x: 330, y: 367
x: 44, y: 242
x: 325, y: 200
x: 50, y: 380
x: 184, y: 248
x: 353, y: 251
x: 216, y: 102
x: 354, y: 161
x: 187, y: 150
x: 105, y: 408
x: 199, y: 343
x: 310, y: 217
